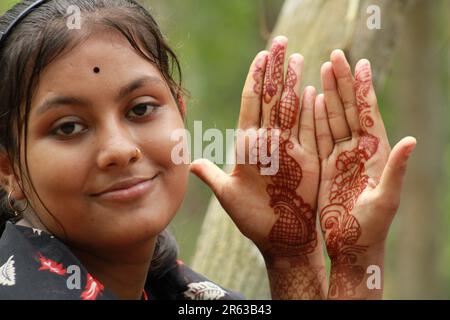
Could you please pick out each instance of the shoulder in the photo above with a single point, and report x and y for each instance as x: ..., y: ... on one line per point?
x: 180, y: 282
x: 34, y: 265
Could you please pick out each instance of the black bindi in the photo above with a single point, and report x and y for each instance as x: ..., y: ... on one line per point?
x: 96, y: 69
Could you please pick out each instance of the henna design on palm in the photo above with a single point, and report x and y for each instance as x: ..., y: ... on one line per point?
x: 293, y: 235
x: 342, y: 230
x: 257, y: 75
x: 274, y: 72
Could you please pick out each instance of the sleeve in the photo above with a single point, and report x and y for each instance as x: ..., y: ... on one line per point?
x: 180, y: 282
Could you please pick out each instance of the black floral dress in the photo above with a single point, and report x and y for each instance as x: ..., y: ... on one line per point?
x: 36, y: 265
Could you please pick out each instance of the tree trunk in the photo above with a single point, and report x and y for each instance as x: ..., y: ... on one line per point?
x: 420, y: 96
x: 314, y: 28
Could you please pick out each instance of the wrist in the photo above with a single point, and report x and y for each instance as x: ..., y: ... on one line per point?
x: 360, y: 255
x: 297, y: 277
x: 357, y: 273
x: 298, y: 283
x: 274, y: 260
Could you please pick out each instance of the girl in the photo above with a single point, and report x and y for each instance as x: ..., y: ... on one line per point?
x: 90, y: 186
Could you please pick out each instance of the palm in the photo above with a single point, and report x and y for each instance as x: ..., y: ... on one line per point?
x: 348, y: 180
x: 356, y: 158
x: 297, y: 178
x: 276, y: 211
x: 354, y: 151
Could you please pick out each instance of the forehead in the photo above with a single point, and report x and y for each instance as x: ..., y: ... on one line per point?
x: 116, y: 59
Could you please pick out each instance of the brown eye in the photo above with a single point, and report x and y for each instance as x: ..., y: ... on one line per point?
x: 143, y: 109
x: 66, y: 129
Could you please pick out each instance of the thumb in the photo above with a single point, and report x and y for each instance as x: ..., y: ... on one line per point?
x: 392, y: 178
x: 210, y: 174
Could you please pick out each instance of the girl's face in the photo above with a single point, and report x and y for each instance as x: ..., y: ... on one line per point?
x: 84, y: 128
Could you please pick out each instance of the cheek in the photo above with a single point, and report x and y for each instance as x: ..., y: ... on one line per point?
x: 158, y: 148
x: 57, y: 178
x: 56, y: 171
x: 158, y: 140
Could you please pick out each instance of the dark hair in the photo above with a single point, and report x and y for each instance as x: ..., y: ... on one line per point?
x: 40, y: 38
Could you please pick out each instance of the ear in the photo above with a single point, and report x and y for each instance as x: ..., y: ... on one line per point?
x: 181, y: 103
x: 7, y: 178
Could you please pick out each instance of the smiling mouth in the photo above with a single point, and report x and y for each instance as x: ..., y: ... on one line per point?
x: 133, y: 192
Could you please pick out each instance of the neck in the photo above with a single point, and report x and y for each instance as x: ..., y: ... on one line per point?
x: 120, y: 272
x: 32, y: 221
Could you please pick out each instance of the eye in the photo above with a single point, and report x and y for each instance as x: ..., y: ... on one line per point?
x: 143, y: 109
x: 67, y: 129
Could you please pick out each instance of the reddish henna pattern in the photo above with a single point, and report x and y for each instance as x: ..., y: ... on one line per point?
x: 362, y: 88
x: 273, y: 80
x: 274, y: 72
x: 257, y: 74
x: 289, y: 103
x: 293, y: 234
x: 298, y: 283
x: 342, y: 230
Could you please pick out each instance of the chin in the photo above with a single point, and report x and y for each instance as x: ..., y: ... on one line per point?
x: 149, y: 222
x: 120, y: 234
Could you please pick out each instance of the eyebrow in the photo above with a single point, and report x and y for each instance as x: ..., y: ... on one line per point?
x: 60, y: 101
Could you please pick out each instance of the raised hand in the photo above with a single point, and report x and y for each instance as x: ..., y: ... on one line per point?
x: 277, y: 212
x: 361, y: 178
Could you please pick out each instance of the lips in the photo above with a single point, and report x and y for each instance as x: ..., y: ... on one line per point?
x: 129, y: 189
x: 121, y: 185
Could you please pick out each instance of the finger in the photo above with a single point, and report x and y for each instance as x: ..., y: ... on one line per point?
x: 369, y: 115
x: 210, y: 174
x: 251, y: 95
x: 307, y: 132
x: 288, y: 114
x: 273, y: 82
x: 325, y: 143
x: 392, y: 178
x: 335, y: 109
x: 346, y: 86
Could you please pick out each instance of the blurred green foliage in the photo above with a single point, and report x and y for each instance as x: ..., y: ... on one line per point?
x: 6, y: 4
x: 444, y: 53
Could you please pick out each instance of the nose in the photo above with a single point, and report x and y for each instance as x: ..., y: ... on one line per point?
x: 117, y: 149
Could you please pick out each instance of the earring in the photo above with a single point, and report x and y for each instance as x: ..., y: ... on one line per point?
x: 16, y: 213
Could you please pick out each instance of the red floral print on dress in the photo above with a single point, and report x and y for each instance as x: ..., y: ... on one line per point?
x: 93, y: 289
x: 51, y: 265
